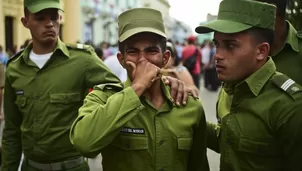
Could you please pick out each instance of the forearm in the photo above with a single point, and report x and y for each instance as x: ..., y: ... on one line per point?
x: 101, y: 118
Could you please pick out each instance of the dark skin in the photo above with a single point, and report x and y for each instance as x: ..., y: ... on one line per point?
x: 44, y: 27
x: 238, y: 56
x: 143, y: 58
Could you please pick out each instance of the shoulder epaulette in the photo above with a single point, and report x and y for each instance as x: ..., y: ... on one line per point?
x: 109, y: 86
x: 299, y: 34
x: 87, y: 48
x: 286, y: 84
x: 14, y: 56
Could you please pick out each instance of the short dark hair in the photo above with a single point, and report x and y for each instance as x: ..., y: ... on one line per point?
x: 262, y: 35
x: 161, y: 40
x: 26, y: 12
x: 280, y: 4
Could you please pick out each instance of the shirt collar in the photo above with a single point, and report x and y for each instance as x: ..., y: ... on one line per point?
x: 291, y: 38
x: 257, y: 80
x: 60, y: 47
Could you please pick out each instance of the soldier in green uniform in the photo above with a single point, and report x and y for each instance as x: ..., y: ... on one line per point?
x: 46, y: 84
x: 259, y: 109
x: 286, y: 51
x: 146, y: 132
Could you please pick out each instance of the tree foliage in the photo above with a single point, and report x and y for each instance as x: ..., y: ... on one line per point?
x: 294, y: 13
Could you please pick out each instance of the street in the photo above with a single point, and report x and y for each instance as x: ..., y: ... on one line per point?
x: 209, y: 99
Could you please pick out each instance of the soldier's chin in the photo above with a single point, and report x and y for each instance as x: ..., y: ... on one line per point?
x: 49, y: 40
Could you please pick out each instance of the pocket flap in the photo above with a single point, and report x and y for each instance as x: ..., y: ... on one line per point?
x: 127, y: 142
x: 184, y: 143
x: 65, y: 97
x: 259, y: 146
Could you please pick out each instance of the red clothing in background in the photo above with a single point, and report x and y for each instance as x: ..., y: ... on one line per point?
x: 189, y: 51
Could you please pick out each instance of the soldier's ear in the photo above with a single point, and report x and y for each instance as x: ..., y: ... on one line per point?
x: 263, y: 51
x: 121, y: 59
x: 24, y: 21
x: 166, y: 57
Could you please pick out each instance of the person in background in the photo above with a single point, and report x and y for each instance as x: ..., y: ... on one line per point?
x: 191, y: 51
x: 116, y: 68
x: 175, y: 69
x: 3, y: 56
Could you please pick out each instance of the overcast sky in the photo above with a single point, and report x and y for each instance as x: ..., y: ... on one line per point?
x: 193, y: 12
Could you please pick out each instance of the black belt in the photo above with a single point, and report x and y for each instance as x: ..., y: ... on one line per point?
x: 67, y: 164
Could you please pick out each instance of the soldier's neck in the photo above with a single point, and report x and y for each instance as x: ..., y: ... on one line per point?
x: 281, y: 32
x: 155, y: 94
x: 41, y: 49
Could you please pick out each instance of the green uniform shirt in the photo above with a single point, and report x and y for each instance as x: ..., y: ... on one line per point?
x: 260, y: 123
x: 289, y: 59
x: 41, y: 104
x: 132, y: 135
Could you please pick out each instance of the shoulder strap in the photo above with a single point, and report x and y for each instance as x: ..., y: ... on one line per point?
x: 286, y: 84
x: 87, y: 48
x: 15, y: 56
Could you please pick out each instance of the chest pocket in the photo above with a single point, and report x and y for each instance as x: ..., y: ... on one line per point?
x: 65, y: 98
x: 131, y: 142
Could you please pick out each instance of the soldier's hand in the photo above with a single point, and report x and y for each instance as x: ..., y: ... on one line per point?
x: 179, y: 91
x: 143, y: 75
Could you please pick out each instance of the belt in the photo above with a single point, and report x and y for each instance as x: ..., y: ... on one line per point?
x: 67, y: 164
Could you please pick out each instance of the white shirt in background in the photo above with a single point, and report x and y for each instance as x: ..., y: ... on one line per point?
x: 116, y: 68
x: 206, y: 53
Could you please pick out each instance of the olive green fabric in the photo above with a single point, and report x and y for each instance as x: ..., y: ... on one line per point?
x: 260, y: 129
x: 41, y: 104
x: 239, y: 15
x: 289, y: 59
x: 133, y: 135
x: 35, y: 6
x: 139, y: 20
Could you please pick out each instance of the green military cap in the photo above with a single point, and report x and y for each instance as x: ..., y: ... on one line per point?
x: 140, y: 20
x: 239, y: 15
x: 35, y: 6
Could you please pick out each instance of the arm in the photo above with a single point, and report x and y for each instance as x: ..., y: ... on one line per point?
x: 290, y: 135
x: 11, y: 141
x: 101, y: 118
x: 197, y: 160
x: 186, y: 77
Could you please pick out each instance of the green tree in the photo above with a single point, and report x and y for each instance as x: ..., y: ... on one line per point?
x: 294, y: 13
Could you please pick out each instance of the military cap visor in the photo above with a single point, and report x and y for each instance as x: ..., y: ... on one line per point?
x: 239, y: 15
x: 223, y: 26
x: 135, y: 31
x: 35, y: 6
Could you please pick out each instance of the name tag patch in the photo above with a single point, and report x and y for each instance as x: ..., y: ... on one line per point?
x: 20, y: 92
x: 133, y: 130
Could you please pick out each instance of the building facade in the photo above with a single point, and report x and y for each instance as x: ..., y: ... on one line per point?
x: 209, y: 36
x: 99, y: 19
x: 13, y: 33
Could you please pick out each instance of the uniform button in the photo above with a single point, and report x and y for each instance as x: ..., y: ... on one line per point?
x: 37, y: 97
x: 128, y: 145
x: 162, y: 169
x: 161, y: 142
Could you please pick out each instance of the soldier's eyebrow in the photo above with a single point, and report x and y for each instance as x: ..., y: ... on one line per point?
x: 230, y: 41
